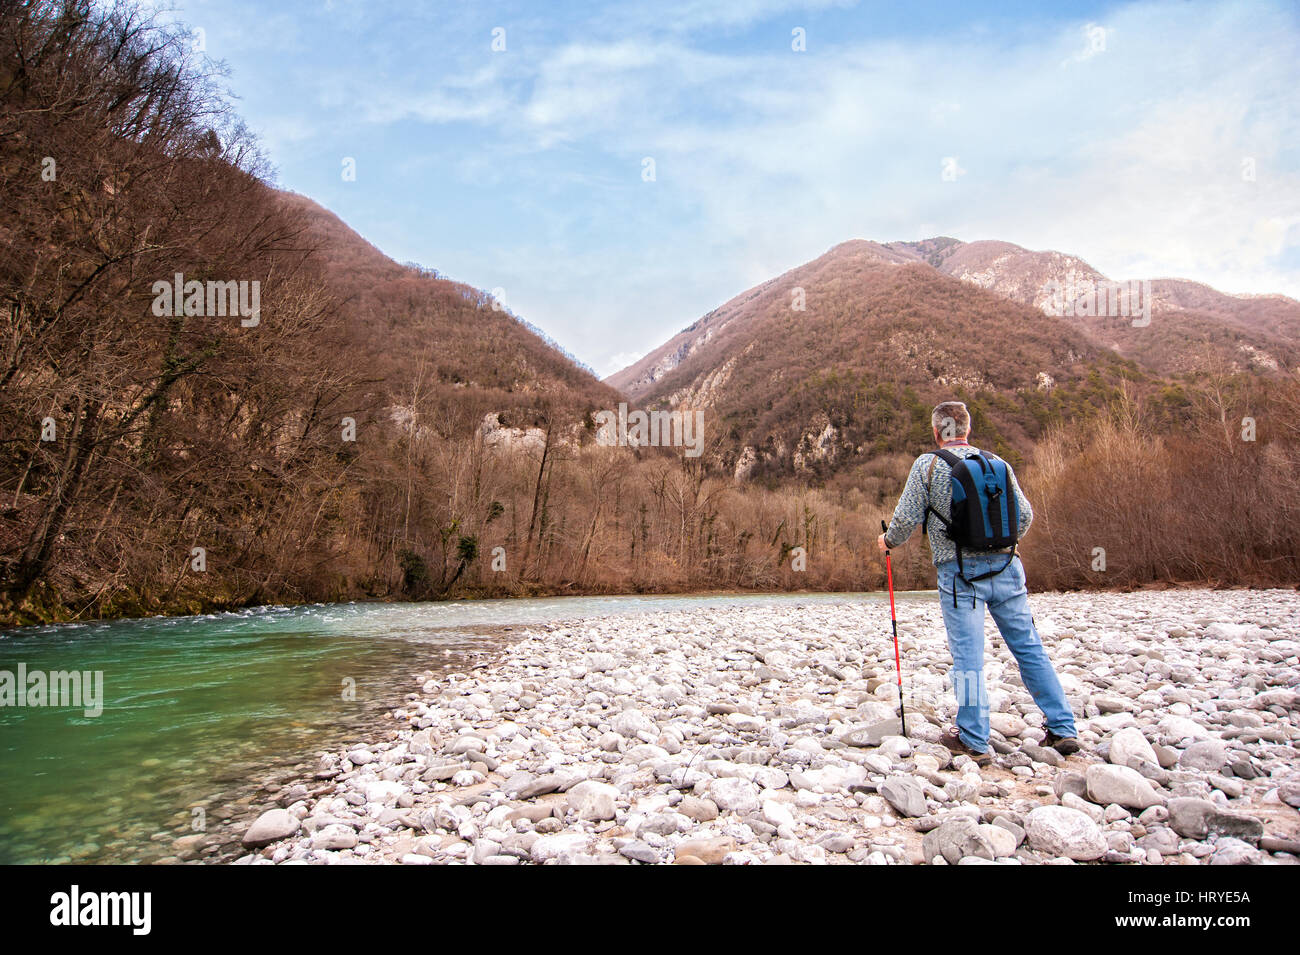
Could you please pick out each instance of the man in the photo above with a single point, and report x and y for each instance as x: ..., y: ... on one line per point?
x: 964, y: 597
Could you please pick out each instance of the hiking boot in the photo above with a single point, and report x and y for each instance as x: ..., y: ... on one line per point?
x: 1065, y: 745
x: 953, y: 743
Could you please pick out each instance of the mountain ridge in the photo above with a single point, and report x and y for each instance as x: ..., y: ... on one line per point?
x: 830, y: 362
x: 1262, y: 322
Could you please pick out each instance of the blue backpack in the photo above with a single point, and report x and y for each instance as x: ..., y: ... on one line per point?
x: 985, y: 516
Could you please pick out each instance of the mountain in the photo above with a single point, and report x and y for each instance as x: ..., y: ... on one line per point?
x: 887, y: 329
x: 413, y: 328
x: 1193, y: 327
x: 852, y: 374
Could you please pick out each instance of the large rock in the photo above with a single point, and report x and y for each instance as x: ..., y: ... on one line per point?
x: 1008, y: 724
x: 425, y: 743
x: 1175, y: 729
x: 733, y: 794
x: 1121, y: 785
x: 442, y: 772
x: 708, y: 851
x: 1003, y: 841
x: 1161, y: 839
x: 271, y: 826
x: 592, y: 800
x: 1190, y: 817
x: 777, y: 813
x: 1228, y: 851
x: 1129, y: 746
x: 1066, y: 833
x: 957, y: 837
x: 871, y: 735
x: 632, y: 721
x: 551, y: 847
x: 1199, y: 819
x: 1207, y: 756
x: 333, y: 837
x: 538, y: 786
x: 905, y: 794
x: 1068, y: 782
x: 639, y: 851
x: 701, y: 810
x: 1096, y: 813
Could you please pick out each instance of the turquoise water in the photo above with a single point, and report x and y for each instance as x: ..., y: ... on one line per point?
x: 205, y: 718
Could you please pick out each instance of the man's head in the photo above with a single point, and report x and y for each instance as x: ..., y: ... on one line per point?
x: 951, y: 422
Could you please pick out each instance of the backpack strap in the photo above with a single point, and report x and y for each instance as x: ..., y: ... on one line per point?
x: 952, y: 461
x: 929, y: 479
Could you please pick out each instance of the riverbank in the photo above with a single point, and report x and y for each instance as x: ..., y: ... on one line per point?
x: 761, y: 735
x: 47, y: 606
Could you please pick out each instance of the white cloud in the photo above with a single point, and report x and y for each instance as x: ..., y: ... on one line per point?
x: 1120, y: 142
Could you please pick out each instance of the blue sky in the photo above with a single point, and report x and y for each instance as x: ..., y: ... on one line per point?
x: 1113, y: 131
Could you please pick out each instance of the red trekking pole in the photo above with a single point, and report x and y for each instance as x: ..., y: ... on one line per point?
x: 893, y: 618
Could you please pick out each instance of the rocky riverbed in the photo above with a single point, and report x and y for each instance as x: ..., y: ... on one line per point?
x: 746, y: 736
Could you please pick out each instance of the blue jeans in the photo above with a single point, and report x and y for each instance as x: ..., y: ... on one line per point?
x: 1008, y: 602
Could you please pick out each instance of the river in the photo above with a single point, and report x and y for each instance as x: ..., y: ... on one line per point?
x: 205, y: 718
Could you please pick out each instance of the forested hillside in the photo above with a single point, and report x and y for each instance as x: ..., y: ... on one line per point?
x: 167, y: 451
x: 213, y: 393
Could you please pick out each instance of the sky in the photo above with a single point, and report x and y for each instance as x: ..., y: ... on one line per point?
x: 616, y: 170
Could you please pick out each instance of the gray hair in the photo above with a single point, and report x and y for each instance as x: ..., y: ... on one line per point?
x: 951, y: 420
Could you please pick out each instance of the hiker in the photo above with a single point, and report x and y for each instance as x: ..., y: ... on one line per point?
x: 969, y: 580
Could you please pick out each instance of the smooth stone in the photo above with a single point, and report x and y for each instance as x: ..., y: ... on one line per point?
x: 541, y: 786
x: 334, y: 837
x: 592, y: 801
x: 1094, y: 812
x: 426, y: 742
x: 1129, y: 745
x: 1008, y: 724
x: 1118, y: 784
x: 777, y: 813
x: 547, y: 848
x: 707, y: 851
x: 1229, y: 851
x: 1207, y: 756
x: 837, y: 842
x: 1070, y: 783
x: 639, y: 851
x: 535, y: 812
x: 1042, y: 754
x: 905, y: 794
x: 1011, y: 826
x: 700, y: 810
x: 1004, y: 842
x: 731, y: 794
x: 1064, y: 832
x: 1166, y: 756
x: 1199, y: 818
x: 1277, y: 844
x: 955, y: 838
x: 872, y: 735
x: 271, y: 826
x: 438, y: 774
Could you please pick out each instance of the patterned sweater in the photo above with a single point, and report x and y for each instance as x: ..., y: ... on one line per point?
x: 910, y: 511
